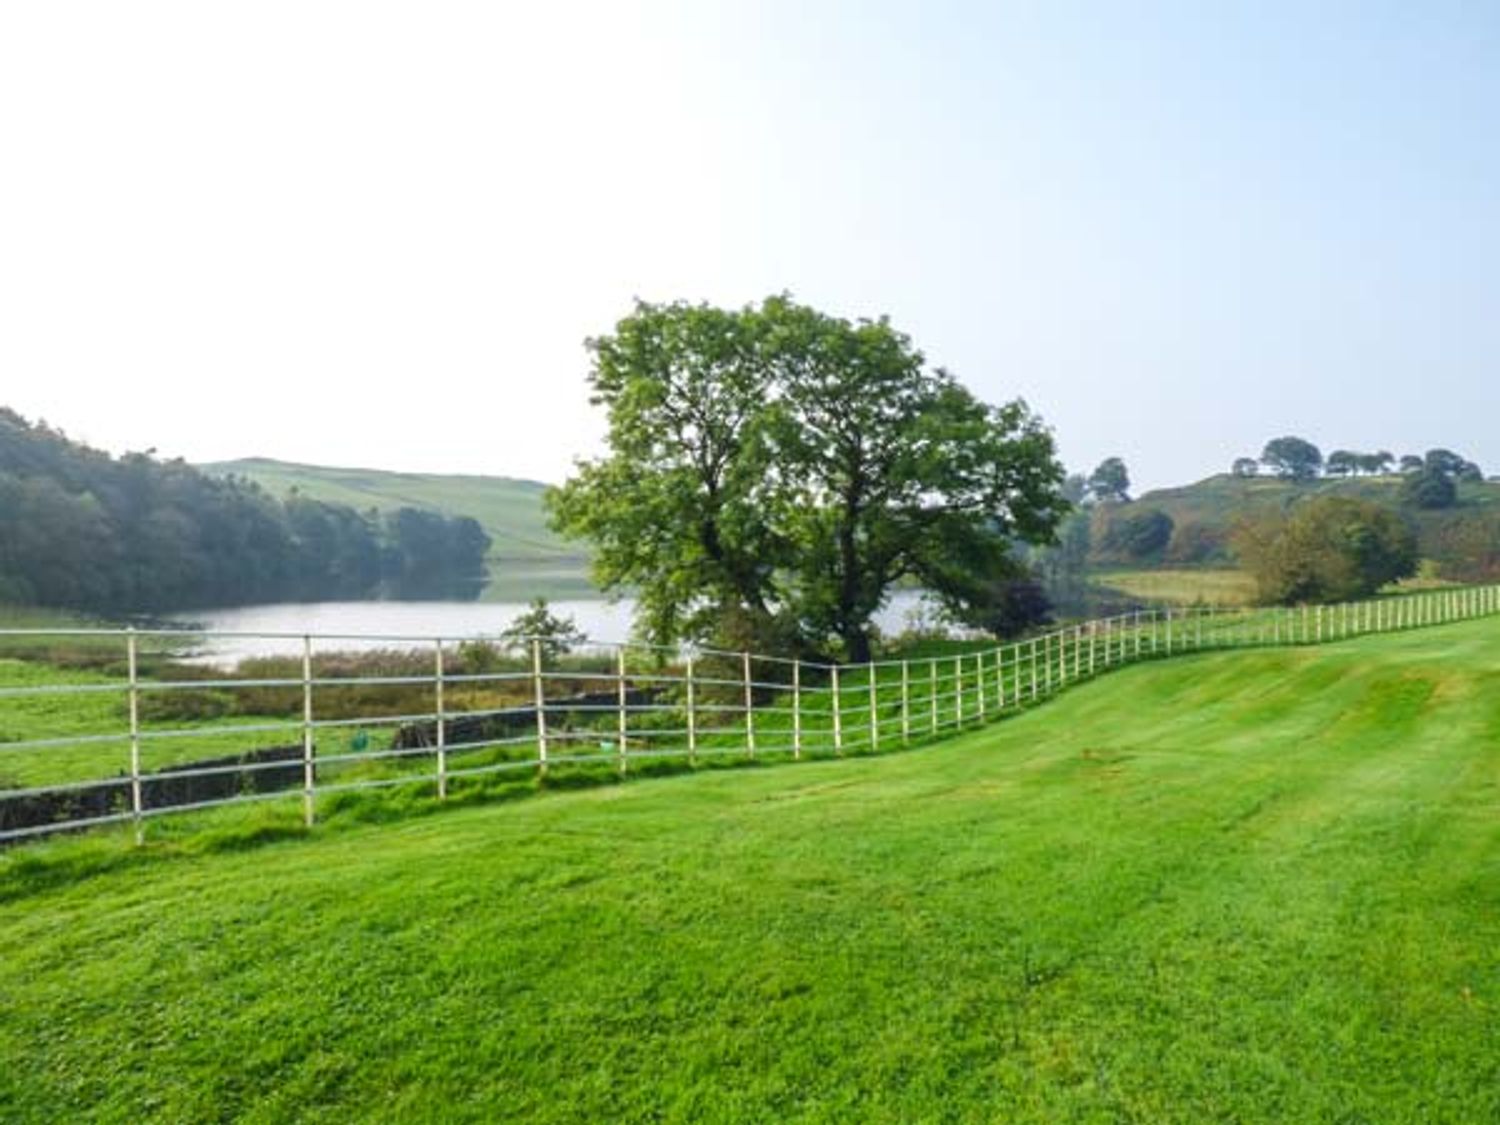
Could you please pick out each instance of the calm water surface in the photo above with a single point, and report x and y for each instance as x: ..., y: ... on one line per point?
x: 355, y: 626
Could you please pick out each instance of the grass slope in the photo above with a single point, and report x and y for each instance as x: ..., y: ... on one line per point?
x: 526, y: 558
x: 1218, y: 502
x: 1254, y: 886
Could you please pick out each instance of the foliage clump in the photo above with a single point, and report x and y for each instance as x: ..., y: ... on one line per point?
x: 1293, y: 458
x: 1110, y: 482
x: 1331, y: 548
x: 133, y: 534
x: 773, y: 472
x: 554, y: 636
x: 1137, y: 536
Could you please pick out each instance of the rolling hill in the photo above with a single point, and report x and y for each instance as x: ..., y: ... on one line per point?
x: 1249, y: 886
x: 526, y: 559
x: 1220, y: 499
x: 1460, y: 541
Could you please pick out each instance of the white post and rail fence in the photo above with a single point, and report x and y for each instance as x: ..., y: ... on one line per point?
x: 126, y: 725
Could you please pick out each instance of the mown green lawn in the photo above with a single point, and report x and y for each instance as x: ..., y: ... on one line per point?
x: 1257, y: 886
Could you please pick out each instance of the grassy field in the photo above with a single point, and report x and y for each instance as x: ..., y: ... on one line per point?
x: 526, y: 559
x: 1187, y: 586
x: 1182, y: 586
x: 1254, y: 886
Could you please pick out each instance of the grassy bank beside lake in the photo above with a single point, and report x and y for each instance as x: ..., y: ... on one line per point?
x: 1255, y: 886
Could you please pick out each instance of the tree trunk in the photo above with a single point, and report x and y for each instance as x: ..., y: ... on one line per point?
x: 857, y: 645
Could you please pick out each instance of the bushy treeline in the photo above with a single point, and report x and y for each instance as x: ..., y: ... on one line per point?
x: 1328, y: 549
x: 84, y: 530
x: 1295, y: 458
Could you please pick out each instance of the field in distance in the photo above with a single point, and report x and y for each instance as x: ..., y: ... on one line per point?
x: 1181, y: 586
x: 1217, y: 586
x: 526, y: 559
x: 1251, y: 886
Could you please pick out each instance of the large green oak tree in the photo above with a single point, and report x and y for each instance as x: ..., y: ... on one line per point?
x: 774, y: 472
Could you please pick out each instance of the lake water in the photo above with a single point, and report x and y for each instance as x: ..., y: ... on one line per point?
x: 360, y: 626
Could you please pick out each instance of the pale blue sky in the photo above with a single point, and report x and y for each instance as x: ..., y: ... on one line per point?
x: 377, y: 233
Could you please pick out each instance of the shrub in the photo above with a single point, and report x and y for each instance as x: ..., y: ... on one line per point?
x: 1137, y: 535
x: 1329, y: 549
x: 1429, y: 490
x: 1195, y: 542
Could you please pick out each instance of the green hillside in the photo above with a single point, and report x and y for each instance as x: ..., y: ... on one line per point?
x: 1461, y: 541
x: 1247, y: 886
x: 526, y: 559
x: 1222, y: 498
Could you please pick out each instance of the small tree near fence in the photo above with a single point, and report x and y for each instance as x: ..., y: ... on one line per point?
x: 557, y: 636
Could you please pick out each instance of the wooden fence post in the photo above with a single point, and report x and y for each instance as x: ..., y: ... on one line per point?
x: 932, y: 682
x: 623, y: 725
x: 749, y: 707
x: 309, y: 776
x: 796, y: 709
x: 905, y: 701
x: 838, y: 714
x: 692, y: 714
x: 137, y: 805
x: 539, y: 696
x: 874, y: 709
x: 979, y: 683
x: 441, y: 718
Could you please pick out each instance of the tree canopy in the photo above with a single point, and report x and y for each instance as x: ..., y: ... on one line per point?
x: 1110, y: 481
x: 1429, y: 490
x: 1292, y: 457
x: 554, y: 636
x: 133, y: 534
x: 1296, y: 458
x: 1137, y: 536
x: 774, y: 471
x: 1331, y: 548
x: 1342, y: 463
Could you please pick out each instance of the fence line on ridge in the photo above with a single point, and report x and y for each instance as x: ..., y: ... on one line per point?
x: 449, y: 713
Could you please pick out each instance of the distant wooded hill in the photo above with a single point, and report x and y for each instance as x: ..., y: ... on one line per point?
x: 525, y: 558
x: 1192, y: 525
x: 81, y: 529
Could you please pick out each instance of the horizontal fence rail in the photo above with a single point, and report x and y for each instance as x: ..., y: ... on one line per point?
x: 108, y: 726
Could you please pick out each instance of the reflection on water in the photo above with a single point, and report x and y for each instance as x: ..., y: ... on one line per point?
x: 370, y: 625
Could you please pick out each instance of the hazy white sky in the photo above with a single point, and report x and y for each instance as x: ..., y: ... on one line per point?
x: 378, y: 233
